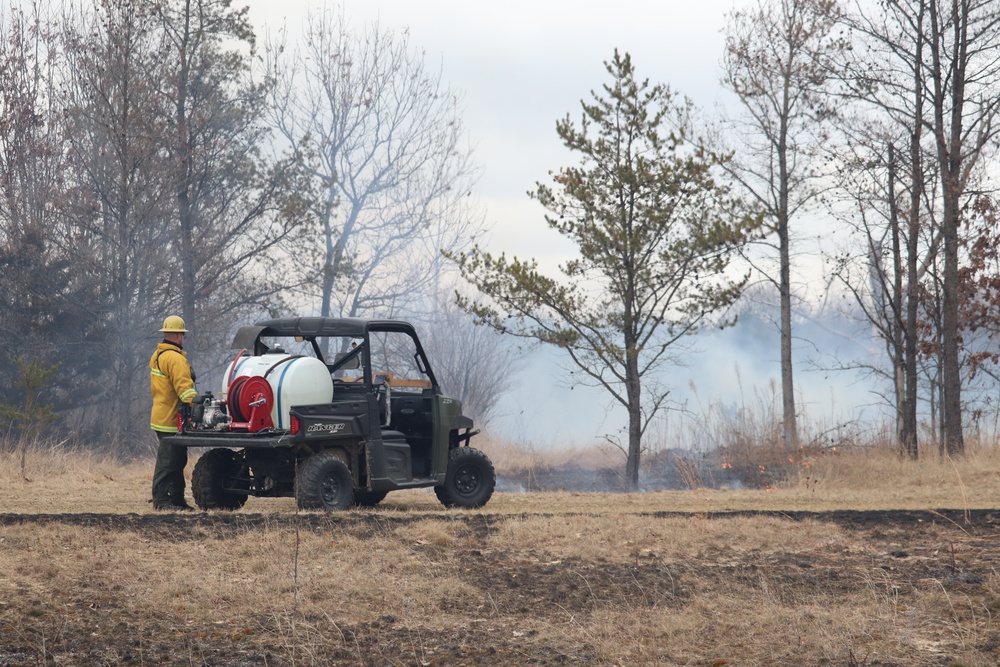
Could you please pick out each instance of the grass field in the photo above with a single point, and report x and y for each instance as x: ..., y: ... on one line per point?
x: 858, y: 559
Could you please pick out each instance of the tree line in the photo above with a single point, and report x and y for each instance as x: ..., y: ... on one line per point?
x: 155, y: 158
x: 879, y: 116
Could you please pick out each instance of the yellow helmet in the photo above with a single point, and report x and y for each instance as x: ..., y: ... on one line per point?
x: 173, y: 324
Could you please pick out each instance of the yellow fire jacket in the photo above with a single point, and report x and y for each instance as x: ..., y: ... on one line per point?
x: 171, y: 384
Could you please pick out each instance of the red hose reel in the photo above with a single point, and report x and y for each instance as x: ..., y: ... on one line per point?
x: 250, y: 400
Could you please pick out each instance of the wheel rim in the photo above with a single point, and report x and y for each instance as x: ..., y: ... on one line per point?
x: 467, y: 479
x: 330, y: 490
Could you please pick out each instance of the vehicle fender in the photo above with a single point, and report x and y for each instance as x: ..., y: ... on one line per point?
x: 445, y: 410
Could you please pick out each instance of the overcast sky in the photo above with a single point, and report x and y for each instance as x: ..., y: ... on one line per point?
x: 521, y: 65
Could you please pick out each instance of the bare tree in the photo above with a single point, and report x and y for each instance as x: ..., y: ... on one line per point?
x: 383, y: 138
x: 964, y: 52
x: 172, y: 205
x: 44, y: 301
x: 931, y: 70
x: 876, y: 271
x: 775, y: 61
x: 119, y: 210
x: 233, y: 205
x: 473, y: 363
x: 886, y: 177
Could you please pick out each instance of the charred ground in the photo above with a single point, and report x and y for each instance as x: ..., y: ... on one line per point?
x: 518, y: 606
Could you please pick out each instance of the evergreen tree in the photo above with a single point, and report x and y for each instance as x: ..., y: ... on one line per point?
x: 655, y: 234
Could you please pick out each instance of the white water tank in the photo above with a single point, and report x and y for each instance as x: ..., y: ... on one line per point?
x: 294, y: 381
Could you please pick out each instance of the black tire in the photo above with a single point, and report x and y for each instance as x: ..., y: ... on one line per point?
x: 469, y: 481
x: 324, y: 482
x: 369, y: 498
x: 208, y: 481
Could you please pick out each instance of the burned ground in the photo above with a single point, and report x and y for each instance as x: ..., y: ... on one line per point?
x: 519, y: 604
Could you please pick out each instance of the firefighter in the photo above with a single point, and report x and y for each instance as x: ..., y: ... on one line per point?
x: 171, y: 382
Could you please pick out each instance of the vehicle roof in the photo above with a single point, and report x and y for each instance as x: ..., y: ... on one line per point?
x: 329, y: 326
x: 249, y: 337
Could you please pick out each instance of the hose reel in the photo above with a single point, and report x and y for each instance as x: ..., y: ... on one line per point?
x: 250, y: 400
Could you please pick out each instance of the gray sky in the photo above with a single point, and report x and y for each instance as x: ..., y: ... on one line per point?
x: 521, y: 65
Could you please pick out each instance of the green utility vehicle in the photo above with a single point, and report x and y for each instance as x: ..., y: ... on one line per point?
x: 335, y: 412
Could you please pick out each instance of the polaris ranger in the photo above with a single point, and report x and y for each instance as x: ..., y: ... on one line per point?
x: 334, y: 412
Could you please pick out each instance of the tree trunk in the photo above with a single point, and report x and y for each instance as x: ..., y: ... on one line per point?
x: 634, y: 394
x: 329, y: 258
x: 951, y: 394
x: 789, y: 426
x: 949, y: 86
x: 184, y: 212
x: 908, y: 433
x: 897, y: 319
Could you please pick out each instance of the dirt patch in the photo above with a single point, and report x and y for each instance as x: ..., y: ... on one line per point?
x: 508, y: 603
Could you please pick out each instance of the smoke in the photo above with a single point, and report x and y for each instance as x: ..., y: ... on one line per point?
x: 727, y: 371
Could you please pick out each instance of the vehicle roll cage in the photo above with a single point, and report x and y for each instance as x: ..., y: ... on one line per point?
x: 311, y: 329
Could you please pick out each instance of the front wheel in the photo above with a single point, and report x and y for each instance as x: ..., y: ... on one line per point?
x: 208, y: 481
x: 324, y: 482
x: 469, y: 480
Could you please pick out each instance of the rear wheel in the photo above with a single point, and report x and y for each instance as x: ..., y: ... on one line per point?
x: 209, y: 481
x: 324, y: 482
x: 469, y: 481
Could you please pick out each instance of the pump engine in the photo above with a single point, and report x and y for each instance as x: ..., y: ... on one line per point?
x: 210, y: 414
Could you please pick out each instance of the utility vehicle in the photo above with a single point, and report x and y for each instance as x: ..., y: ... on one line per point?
x: 334, y: 412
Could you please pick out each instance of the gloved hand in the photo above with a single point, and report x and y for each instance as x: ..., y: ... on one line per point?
x: 198, y: 399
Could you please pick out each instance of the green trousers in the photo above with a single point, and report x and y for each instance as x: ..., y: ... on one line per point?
x: 168, y: 475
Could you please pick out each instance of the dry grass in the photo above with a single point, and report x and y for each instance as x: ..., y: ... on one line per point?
x: 878, y: 477
x: 512, y: 456
x: 545, y: 579
x: 50, y: 480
